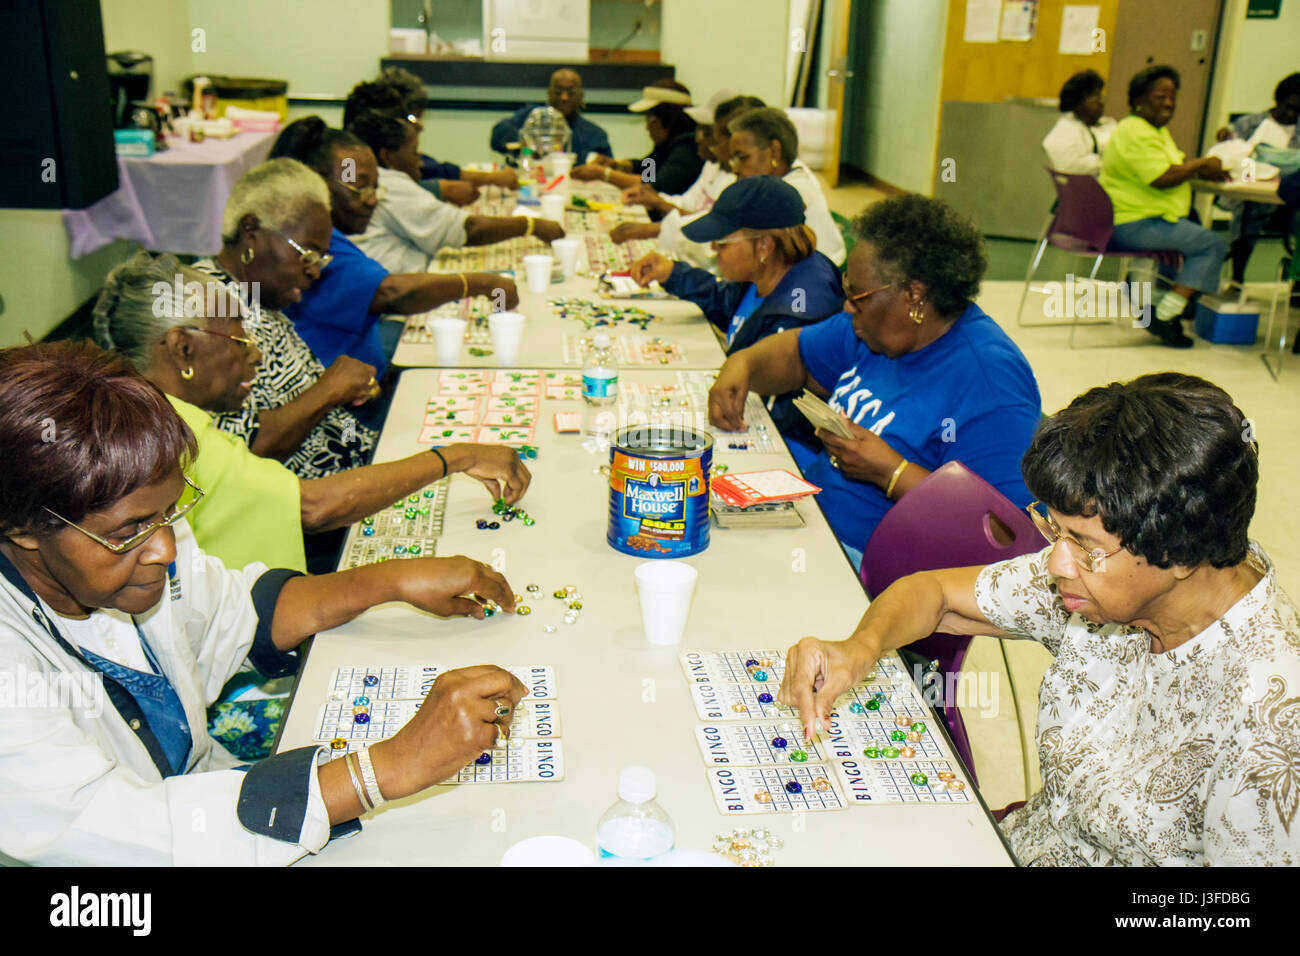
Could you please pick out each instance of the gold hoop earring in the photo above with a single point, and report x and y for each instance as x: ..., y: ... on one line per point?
x: 915, y: 314
x: 187, y: 373
x: 246, y: 256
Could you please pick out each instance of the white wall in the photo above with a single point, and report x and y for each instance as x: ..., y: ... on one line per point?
x: 1266, y: 51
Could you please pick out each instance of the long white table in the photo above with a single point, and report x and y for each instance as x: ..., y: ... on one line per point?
x: 679, y: 322
x: 621, y: 700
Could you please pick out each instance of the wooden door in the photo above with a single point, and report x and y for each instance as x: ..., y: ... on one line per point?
x: 1181, y: 33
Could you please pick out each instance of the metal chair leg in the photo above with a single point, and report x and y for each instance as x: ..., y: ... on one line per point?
x: 1033, y: 267
x: 1279, y: 280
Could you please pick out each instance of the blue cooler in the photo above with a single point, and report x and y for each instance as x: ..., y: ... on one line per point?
x: 1226, y: 323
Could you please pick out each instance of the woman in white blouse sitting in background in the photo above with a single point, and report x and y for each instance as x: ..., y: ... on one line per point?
x: 1169, y: 720
x: 1075, y: 143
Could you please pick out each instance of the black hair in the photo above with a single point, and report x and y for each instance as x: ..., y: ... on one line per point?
x: 926, y: 240
x: 374, y: 96
x: 380, y: 131
x: 1167, y: 460
x: 1143, y: 80
x: 727, y: 108
x: 1287, y: 88
x: 314, y: 144
x: 1078, y: 88
x: 407, y: 85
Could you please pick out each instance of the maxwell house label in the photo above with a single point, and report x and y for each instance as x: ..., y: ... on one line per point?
x: 654, y: 499
x: 659, y: 505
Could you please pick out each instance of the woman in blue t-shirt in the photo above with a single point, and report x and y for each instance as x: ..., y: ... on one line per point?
x: 919, y: 373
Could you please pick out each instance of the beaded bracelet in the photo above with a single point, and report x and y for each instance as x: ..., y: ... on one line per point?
x: 893, y: 479
x: 354, y: 774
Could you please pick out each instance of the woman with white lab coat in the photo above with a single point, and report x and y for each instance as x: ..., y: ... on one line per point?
x: 117, y: 632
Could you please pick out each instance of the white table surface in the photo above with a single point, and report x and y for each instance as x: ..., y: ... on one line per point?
x: 621, y: 701
x: 543, y: 346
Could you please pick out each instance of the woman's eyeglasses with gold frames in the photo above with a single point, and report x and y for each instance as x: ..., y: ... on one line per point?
x: 1093, y: 560
x: 177, y: 513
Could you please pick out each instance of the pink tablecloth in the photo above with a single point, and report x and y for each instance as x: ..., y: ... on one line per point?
x: 171, y: 201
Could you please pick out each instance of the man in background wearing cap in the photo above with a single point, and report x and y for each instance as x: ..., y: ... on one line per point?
x: 773, y: 277
x: 673, y: 165
x: 565, y: 94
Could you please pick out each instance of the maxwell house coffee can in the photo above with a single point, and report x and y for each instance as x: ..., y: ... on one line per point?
x: 659, y: 491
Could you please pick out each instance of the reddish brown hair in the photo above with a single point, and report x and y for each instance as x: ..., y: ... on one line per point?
x: 82, y: 429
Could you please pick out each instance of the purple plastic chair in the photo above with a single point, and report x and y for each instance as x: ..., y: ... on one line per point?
x: 1082, y: 224
x: 946, y: 521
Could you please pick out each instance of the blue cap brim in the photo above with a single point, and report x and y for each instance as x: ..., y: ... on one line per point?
x: 709, y: 228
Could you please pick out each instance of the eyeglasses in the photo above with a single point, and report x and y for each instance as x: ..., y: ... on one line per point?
x: 140, y: 537
x: 248, y: 344
x: 366, y: 193
x: 1092, y: 560
x: 862, y: 295
x: 310, y: 257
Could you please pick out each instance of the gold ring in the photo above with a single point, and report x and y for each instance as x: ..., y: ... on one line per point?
x: 835, y: 462
x: 503, y: 709
x: 372, y: 383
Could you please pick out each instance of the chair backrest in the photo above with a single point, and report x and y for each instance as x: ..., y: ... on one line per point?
x: 945, y: 521
x: 1084, y: 216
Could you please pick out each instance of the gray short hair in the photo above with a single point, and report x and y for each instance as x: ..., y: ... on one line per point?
x: 277, y: 192
x: 769, y: 124
x: 144, y: 298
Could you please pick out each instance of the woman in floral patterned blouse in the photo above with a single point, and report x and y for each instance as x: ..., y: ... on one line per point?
x: 1169, y: 721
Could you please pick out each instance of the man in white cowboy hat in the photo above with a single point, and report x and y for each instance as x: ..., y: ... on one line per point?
x: 673, y: 165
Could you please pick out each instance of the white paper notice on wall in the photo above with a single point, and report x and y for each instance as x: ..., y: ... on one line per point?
x: 982, y: 17
x: 1018, y: 20
x: 1077, y: 26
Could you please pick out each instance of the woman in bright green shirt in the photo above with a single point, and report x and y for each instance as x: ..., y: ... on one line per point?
x: 1146, y: 176
x: 197, y: 353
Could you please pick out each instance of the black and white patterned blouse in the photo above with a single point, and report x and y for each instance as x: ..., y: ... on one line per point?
x: 1186, y: 758
x: 288, y: 369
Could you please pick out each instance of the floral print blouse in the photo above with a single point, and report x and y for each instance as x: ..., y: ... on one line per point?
x: 1190, y: 757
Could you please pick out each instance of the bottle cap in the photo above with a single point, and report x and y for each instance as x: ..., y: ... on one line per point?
x: 600, y: 340
x: 636, y: 784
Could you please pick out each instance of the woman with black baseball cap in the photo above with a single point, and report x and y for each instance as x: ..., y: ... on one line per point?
x: 773, y: 277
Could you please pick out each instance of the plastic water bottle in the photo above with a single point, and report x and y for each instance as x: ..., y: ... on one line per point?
x: 527, y: 171
x: 600, y: 372
x: 635, y: 828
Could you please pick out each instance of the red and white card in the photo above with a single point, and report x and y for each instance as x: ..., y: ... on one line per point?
x: 761, y: 488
